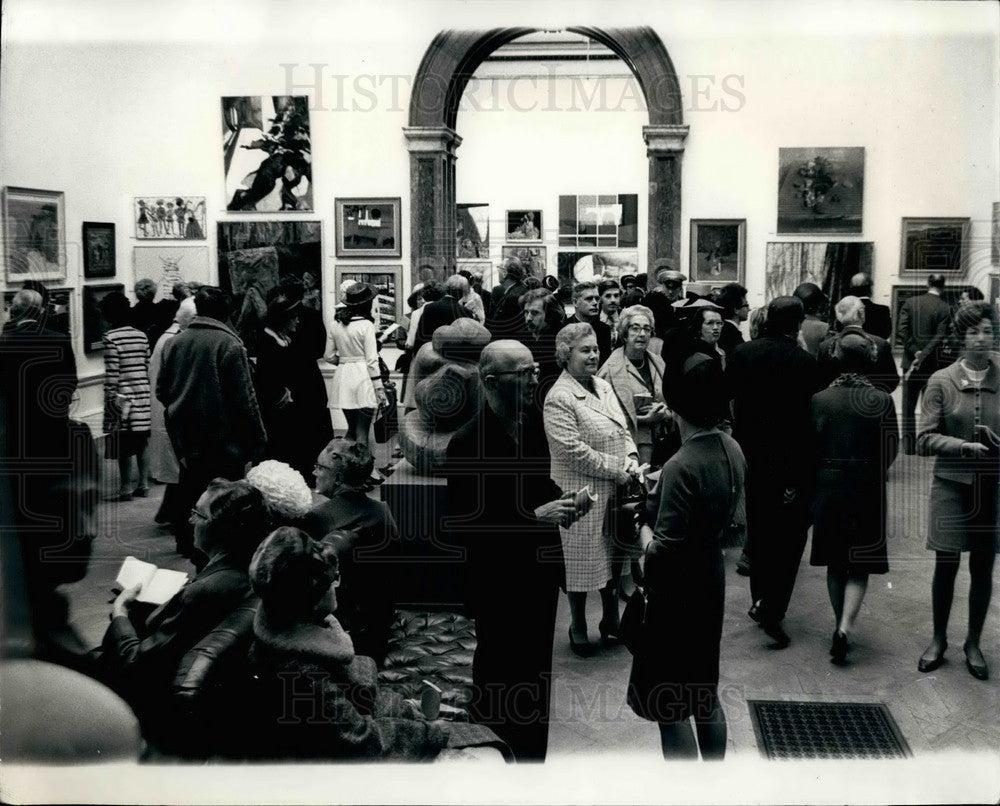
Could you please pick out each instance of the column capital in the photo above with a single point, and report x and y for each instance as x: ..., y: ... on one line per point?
x: 431, y: 139
x: 665, y: 138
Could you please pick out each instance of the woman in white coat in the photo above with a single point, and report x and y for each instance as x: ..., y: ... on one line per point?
x: 590, y: 443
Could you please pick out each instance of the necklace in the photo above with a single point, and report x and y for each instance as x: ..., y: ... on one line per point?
x: 641, y: 364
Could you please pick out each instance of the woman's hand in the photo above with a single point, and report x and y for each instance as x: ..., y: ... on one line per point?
x: 561, y: 512
x: 380, y: 397
x: 124, y: 599
x: 653, y: 414
x: 974, y: 450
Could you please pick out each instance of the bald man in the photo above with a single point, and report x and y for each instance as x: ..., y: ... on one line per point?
x: 505, y: 513
x: 878, y: 318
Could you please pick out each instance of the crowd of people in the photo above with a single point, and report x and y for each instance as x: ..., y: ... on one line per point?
x: 622, y: 445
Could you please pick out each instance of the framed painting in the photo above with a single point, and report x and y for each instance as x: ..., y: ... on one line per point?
x: 933, y: 245
x: 387, y: 282
x: 820, y: 190
x: 472, y: 231
x: 599, y: 220
x: 524, y: 225
x: 94, y: 323
x: 484, y: 267
x: 368, y: 227
x: 575, y: 267
x: 533, y: 258
x: 169, y: 218
x: 718, y: 250
x: 34, y: 224
x: 951, y: 294
x: 267, y: 154
x: 98, y: 250
x: 828, y: 265
x: 58, y: 315
x: 171, y: 264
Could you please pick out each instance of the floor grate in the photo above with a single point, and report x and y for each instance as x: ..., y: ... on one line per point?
x: 808, y: 730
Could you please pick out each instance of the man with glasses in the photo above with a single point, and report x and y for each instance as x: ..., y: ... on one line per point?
x: 505, y: 513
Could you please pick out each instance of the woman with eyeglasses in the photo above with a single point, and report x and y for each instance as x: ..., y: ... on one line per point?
x: 591, y: 446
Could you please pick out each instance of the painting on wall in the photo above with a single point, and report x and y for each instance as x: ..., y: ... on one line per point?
x: 94, y: 323
x: 599, y: 220
x: 718, y: 250
x: 254, y: 255
x: 34, y: 234
x: 98, y: 250
x: 368, y: 227
x: 820, y: 190
x: 169, y: 218
x: 533, y: 258
x: 484, y: 267
x: 900, y: 293
x: 828, y: 265
x: 267, y: 155
x: 472, y: 231
x: 386, y: 280
x: 932, y: 245
x: 171, y: 264
x: 575, y: 267
x: 57, y: 317
x: 524, y: 225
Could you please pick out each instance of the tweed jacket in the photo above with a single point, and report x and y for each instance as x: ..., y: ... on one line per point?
x: 625, y: 380
x: 950, y: 411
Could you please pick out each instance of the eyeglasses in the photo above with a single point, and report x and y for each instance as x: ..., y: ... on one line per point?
x: 713, y: 324
x: 318, y: 467
x: 524, y: 372
x: 639, y: 329
x: 198, y: 516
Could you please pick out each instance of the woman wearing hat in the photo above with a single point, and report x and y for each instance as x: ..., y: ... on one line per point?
x: 357, y: 383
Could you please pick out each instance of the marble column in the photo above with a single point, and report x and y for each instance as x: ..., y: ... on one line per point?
x: 664, y: 147
x: 432, y: 200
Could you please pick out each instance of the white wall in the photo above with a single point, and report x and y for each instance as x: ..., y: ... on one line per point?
x: 106, y: 101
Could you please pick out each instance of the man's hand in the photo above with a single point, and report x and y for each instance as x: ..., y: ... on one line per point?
x: 561, y: 512
x: 125, y: 598
x: 974, y: 450
x: 653, y: 414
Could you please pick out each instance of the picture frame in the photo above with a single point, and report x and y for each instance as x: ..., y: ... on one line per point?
x: 368, y: 227
x: 98, y: 250
x: 900, y: 293
x: 34, y: 225
x: 718, y: 250
x: 387, y: 282
x: 94, y: 323
x: 820, y: 190
x: 473, y: 265
x: 58, y: 317
x: 534, y: 258
x: 599, y: 221
x: 933, y: 245
x: 524, y: 225
x: 577, y: 266
x: 472, y: 231
x: 171, y: 264
x: 169, y: 218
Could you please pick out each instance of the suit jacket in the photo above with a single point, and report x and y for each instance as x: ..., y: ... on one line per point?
x: 924, y: 322
x: 730, y: 337
x: 878, y: 318
x: 505, y: 319
x: 437, y: 314
x: 883, y: 373
x: 603, y: 331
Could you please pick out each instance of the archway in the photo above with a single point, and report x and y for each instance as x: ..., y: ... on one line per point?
x: 444, y: 72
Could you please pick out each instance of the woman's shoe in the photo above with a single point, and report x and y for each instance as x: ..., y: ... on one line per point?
x: 838, y: 648
x: 930, y: 660
x: 583, y: 650
x: 980, y: 671
x: 609, y: 636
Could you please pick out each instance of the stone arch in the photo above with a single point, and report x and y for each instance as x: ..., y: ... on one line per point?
x: 451, y: 60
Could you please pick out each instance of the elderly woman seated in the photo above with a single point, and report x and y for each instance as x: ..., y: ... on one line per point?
x: 327, y: 695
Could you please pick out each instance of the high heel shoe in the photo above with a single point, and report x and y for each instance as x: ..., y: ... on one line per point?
x: 930, y: 662
x: 583, y: 650
x: 980, y: 671
x: 609, y: 636
x: 838, y: 648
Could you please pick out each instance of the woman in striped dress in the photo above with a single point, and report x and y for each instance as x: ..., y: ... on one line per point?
x: 127, y: 420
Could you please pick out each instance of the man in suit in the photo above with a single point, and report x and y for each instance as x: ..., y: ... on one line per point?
x: 924, y: 323
x: 773, y: 380
x: 878, y: 318
x: 505, y: 512
x: 503, y: 320
x: 443, y: 311
x: 850, y: 313
x: 587, y: 301
x: 611, y: 304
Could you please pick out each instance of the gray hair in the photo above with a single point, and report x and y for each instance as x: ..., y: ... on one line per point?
x: 586, y: 285
x: 568, y: 338
x: 630, y: 313
x: 456, y: 286
x: 27, y: 304
x: 850, y: 311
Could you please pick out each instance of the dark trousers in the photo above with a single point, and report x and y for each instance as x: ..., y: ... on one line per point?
x: 913, y: 385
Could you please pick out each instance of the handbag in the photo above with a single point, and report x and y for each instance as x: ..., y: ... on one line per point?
x: 633, y: 631
x: 387, y: 421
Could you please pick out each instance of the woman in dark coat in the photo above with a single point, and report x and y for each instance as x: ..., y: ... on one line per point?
x: 675, y: 674
x: 856, y: 439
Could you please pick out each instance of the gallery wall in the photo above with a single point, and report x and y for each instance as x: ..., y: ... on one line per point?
x: 107, y: 102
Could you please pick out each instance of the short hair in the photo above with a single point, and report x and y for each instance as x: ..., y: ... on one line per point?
x: 757, y: 322
x: 628, y: 314
x: 586, y: 285
x: 40, y: 287
x: 696, y: 318
x: 970, y: 315
x: 456, y: 286
x: 533, y: 295
x: 465, y: 273
x: 812, y: 297
x: 357, y: 461
x: 145, y: 290
x: 116, y: 308
x: 936, y: 281
x: 730, y: 297
x: 213, y: 302
x: 785, y: 316
x: 698, y: 392
x: 531, y: 282
x: 855, y: 352
x: 433, y: 290
x: 27, y: 304
x: 607, y: 284
x: 862, y: 284
x: 185, y: 312
x: 850, y: 310
x: 291, y: 572
x: 569, y: 337
x: 513, y: 267
x: 238, y: 517
x: 180, y: 290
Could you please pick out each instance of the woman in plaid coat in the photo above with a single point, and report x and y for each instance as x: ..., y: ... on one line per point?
x: 590, y: 443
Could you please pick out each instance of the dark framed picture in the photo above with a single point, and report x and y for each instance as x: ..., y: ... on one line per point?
x: 829, y: 265
x: 533, y: 258
x: 472, y: 231
x: 952, y: 294
x: 94, y: 323
x: 34, y: 224
x: 933, y: 245
x: 484, y: 267
x: 524, y: 225
x: 368, y: 227
x: 59, y: 314
x: 98, y: 250
x: 387, y: 282
x: 820, y: 190
x: 718, y: 250
x: 169, y: 218
x: 267, y: 153
x: 607, y: 220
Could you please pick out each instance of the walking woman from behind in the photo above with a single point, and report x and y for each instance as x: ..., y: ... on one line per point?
x: 958, y: 424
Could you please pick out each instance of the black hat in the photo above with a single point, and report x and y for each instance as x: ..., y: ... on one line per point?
x: 359, y: 294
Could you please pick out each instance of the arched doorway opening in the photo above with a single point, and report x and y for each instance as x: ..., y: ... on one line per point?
x: 444, y: 72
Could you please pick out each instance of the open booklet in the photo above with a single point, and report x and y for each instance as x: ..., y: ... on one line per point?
x: 158, y: 584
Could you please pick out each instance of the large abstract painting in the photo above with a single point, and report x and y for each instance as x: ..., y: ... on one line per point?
x: 34, y: 234
x: 472, y: 231
x: 820, y: 190
x: 828, y: 265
